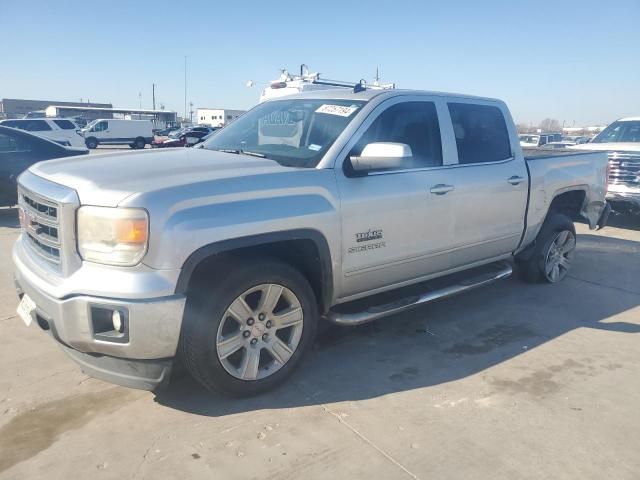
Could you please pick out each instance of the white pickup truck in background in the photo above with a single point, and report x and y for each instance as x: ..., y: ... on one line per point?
x: 621, y: 141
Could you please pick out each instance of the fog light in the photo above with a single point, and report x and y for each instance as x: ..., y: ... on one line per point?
x: 116, y: 318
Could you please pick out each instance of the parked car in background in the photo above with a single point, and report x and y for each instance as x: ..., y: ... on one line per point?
x: 186, y: 139
x: 18, y: 151
x: 202, y: 128
x: 306, y: 207
x: 80, y: 121
x: 61, y: 130
x: 621, y: 141
x: 112, y: 131
x: 557, y: 145
x: 576, y: 140
x: 538, y: 140
x: 166, y: 131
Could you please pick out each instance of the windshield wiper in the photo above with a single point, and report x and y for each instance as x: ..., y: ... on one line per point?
x: 241, y: 152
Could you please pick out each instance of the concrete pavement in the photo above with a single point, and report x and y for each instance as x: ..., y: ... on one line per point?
x: 512, y: 381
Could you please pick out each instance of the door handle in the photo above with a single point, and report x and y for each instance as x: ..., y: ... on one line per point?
x: 515, y: 180
x: 441, y: 189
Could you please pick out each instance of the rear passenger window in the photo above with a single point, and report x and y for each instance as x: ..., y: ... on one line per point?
x: 65, y: 124
x: 412, y: 123
x: 481, y: 133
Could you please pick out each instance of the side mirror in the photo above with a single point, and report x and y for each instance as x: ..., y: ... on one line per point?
x: 382, y: 156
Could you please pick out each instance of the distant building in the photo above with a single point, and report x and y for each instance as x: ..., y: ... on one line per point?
x: 18, y: 108
x: 217, y: 117
x: 160, y: 118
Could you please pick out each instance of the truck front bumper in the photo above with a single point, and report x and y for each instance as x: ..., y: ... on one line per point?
x: 139, y: 358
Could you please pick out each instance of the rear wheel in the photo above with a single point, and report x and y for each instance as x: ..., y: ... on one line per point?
x: 139, y: 143
x: 247, y: 334
x: 553, y: 252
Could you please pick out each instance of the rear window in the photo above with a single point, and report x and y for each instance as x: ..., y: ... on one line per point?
x: 481, y: 133
x: 65, y: 124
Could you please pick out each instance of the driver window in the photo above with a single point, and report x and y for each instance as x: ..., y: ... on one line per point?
x: 100, y: 127
x: 412, y: 123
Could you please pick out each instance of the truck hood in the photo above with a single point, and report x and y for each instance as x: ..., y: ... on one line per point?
x: 609, y: 147
x: 110, y: 178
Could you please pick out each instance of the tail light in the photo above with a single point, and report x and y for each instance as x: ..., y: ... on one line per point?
x: 608, y: 176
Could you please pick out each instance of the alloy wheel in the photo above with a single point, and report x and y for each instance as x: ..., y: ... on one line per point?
x: 559, y: 256
x: 260, y: 332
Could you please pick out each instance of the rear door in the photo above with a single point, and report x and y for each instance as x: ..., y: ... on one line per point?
x: 394, y: 228
x: 491, y: 182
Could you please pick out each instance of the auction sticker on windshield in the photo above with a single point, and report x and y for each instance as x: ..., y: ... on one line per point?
x: 340, y: 110
x: 26, y: 309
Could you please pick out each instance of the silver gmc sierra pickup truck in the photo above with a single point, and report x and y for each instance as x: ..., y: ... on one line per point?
x: 336, y: 205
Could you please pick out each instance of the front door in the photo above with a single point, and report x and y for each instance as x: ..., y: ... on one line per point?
x: 394, y: 229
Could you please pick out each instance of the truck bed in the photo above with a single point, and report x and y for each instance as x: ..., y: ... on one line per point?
x: 539, y: 153
x: 557, y: 170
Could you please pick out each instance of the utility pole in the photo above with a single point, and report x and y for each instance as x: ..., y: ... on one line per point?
x: 153, y: 94
x: 190, y: 112
x: 185, y: 87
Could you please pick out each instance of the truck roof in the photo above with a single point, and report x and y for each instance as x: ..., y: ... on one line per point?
x: 630, y: 119
x: 366, y: 95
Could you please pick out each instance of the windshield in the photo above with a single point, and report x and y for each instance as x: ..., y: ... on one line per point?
x: 293, y: 132
x: 619, y: 132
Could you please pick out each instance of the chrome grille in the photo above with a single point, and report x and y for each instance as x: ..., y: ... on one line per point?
x: 624, y: 168
x: 39, y: 218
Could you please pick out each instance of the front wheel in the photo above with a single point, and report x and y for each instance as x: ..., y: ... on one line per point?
x: 553, y: 253
x: 91, y: 143
x: 248, y: 333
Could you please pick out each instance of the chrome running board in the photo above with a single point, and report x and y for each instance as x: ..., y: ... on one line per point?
x: 500, y: 270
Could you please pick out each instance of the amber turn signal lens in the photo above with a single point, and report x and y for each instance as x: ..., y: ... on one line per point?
x: 131, y: 231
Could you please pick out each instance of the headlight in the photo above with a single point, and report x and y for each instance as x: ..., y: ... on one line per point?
x: 114, y: 236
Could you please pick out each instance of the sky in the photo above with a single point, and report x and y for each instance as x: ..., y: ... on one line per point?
x: 574, y: 61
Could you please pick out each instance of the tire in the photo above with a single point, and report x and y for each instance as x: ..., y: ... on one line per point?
x: 139, y: 143
x: 91, y: 143
x: 221, y: 338
x: 550, y: 259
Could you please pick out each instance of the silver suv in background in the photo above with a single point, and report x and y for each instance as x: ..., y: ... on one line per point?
x: 304, y: 209
x: 621, y: 141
